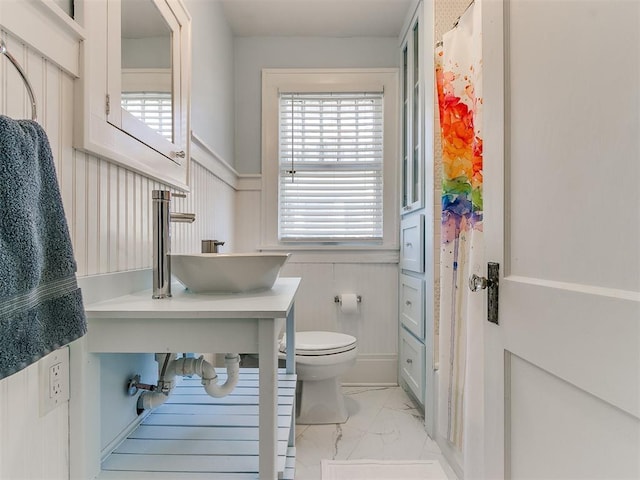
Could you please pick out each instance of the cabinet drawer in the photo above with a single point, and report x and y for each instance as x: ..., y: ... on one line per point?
x: 412, y: 356
x: 412, y: 243
x: 412, y: 304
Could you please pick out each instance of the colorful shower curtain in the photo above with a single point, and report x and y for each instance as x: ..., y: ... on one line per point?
x: 459, y: 82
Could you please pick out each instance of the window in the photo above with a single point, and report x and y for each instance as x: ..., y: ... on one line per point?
x: 329, y: 163
x: 330, y: 173
x: 152, y: 108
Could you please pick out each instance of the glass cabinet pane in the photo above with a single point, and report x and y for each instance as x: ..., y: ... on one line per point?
x: 412, y: 151
x: 405, y: 134
x: 416, y: 183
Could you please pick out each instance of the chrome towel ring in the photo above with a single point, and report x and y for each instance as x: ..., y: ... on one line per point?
x: 5, y: 52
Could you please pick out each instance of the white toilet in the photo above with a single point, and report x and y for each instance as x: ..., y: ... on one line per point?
x: 321, y: 357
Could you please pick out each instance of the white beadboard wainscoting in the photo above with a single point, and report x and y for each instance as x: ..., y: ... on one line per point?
x: 110, y: 214
x: 34, y: 447
x: 31, y: 446
x: 374, y: 324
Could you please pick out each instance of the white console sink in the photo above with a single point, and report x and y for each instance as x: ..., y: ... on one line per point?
x: 184, y: 322
x: 227, y: 273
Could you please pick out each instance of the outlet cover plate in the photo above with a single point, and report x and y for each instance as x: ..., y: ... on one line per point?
x: 53, y: 372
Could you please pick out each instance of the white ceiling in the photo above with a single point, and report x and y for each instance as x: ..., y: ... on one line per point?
x: 319, y: 18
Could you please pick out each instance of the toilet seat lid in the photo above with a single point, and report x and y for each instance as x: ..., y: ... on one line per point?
x: 321, y: 343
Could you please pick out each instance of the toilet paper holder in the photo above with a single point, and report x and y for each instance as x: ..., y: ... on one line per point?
x: 338, y: 299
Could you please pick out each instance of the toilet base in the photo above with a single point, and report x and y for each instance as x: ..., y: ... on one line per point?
x: 321, y: 402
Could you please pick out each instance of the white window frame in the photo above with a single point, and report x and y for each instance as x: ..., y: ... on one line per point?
x: 275, y: 81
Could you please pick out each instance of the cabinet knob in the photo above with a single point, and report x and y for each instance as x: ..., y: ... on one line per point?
x: 408, y: 244
x: 409, y: 361
x: 407, y: 303
x: 180, y: 154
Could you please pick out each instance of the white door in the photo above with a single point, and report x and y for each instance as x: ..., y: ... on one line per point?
x: 562, y: 217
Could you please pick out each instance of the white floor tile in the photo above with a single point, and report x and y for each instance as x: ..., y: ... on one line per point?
x: 361, y: 414
x: 394, y: 435
x: 369, y: 397
x: 383, y: 424
x: 429, y: 447
x: 300, y: 429
x: 334, y: 442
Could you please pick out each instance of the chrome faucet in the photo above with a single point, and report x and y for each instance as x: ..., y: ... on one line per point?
x: 162, y: 216
x: 211, y: 246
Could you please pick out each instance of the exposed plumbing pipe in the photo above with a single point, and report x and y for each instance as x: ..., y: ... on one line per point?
x: 208, y: 374
x: 190, y: 366
x: 166, y: 379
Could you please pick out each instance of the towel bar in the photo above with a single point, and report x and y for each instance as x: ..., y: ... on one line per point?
x: 3, y: 50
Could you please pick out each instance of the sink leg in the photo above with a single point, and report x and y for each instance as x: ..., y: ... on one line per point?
x: 268, y: 408
x: 291, y: 367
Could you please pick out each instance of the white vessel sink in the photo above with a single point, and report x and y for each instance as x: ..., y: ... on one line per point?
x: 227, y: 273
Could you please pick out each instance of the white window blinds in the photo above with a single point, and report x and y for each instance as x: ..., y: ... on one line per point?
x: 330, y: 167
x: 153, y: 108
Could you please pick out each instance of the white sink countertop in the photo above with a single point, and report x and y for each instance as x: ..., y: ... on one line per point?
x: 188, y: 322
x: 273, y: 303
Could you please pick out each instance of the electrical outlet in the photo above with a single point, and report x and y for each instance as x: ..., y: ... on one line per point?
x: 54, y: 380
x: 55, y: 383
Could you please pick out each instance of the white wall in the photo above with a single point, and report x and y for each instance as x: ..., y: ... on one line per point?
x: 323, y: 275
x: 108, y: 211
x: 149, y: 52
x: 212, y: 84
x: 252, y: 54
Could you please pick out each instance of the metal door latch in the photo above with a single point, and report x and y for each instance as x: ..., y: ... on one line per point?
x: 480, y: 283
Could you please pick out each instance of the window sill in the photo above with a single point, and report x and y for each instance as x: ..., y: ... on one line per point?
x: 337, y: 254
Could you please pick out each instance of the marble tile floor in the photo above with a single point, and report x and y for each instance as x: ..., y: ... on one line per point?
x: 383, y: 425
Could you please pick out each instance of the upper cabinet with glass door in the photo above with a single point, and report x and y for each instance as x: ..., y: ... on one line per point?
x: 412, y: 115
x: 135, y: 95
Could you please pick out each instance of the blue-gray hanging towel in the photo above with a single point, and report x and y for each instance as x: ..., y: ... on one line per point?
x: 40, y: 302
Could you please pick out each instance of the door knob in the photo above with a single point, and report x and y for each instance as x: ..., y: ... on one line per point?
x: 478, y: 283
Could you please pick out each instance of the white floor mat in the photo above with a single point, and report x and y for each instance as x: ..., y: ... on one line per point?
x: 382, y: 470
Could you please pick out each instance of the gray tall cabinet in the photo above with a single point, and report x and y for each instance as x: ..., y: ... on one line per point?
x: 416, y: 285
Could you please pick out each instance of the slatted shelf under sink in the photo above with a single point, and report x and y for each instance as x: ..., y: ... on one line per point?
x: 194, y: 436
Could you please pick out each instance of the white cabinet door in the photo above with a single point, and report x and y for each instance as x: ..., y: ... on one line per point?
x: 412, y: 243
x: 412, y: 363
x: 412, y: 305
x: 562, y: 137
